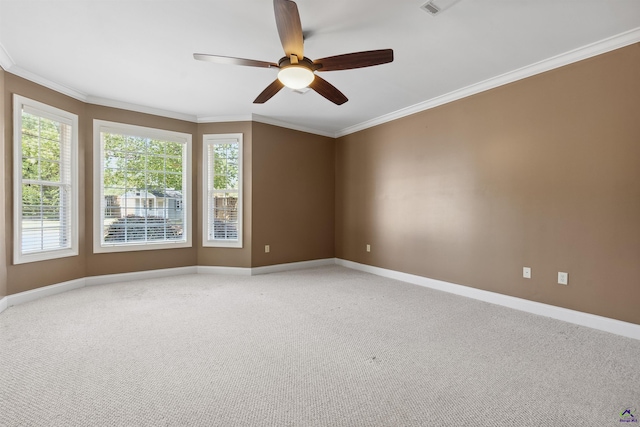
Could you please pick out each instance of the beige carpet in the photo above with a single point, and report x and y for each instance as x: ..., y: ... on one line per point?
x: 319, y: 347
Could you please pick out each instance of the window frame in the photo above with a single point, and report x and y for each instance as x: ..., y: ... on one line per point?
x: 100, y: 126
x: 52, y: 113
x: 214, y: 139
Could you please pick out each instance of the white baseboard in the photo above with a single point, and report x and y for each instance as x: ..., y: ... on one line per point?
x: 618, y: 327
x: 45, y: 291
x: 248, y: 271
x: 232, y: 271
x: 292, y: 266
x: 139, y: 275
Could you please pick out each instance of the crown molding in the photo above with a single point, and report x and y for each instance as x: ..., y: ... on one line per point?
x: 6, y: 61
x: 275, y: 122
x: 598, y: 48
x: 263, y: 119
x: 221, y: 119
x: 106, y: 102
x: 28, y: 75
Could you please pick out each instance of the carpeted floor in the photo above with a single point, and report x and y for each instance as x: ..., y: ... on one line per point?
x: 320, y: 347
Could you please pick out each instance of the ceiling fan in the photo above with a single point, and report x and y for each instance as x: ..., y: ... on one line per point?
x: 296, y: 70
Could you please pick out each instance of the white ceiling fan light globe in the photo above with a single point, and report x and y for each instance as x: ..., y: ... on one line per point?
x: 296, y: 77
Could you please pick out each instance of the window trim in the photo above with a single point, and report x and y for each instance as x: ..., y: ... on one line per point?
x: 212, y: 139
x: 100, y: 126
x: 70, y: 119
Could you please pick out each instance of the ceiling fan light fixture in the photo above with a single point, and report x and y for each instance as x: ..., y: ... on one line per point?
x: 296, y: 76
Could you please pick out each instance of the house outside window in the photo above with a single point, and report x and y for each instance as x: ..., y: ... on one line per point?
x: 222, y: 190
x: 142, y: 187
x: 45, y: 191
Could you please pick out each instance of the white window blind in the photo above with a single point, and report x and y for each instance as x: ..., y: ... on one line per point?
x: 143, y: 186
x: 45, y: 180
x: 222, y: 190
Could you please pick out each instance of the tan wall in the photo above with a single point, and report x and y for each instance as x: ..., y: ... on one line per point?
x: 228, y: 257
x: 24, y: 277
x: 544, y: 173
x: 293, y: 195
x: 3, y: 194
x: 125, y: 262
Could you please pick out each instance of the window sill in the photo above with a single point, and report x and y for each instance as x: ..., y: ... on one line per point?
x: 222, y: 244
x: 43, y: 256
x: 131, y: 247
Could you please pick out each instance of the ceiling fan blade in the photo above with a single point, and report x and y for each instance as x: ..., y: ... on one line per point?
x: 271, y: 90
x: 289, y: 27
x: 328, y: 90
x: 349, y: 61
x: 234, y: 61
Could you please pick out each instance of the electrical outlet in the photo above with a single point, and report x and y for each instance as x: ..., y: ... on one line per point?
x: 563, y: 278
x: 526, y: 272
x: 368, y: 248
x: 267, y: 249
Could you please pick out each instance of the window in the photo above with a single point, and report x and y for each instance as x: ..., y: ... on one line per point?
x: 222, y: 190
x: 45, y: 191
x: 142, y: 190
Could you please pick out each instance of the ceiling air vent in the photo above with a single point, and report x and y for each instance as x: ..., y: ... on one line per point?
x: 430, y: 8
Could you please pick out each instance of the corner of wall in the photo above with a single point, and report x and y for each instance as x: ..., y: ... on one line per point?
x: 3, y: 203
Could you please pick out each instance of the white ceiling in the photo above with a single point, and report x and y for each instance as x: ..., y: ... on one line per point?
x: 137, y: 54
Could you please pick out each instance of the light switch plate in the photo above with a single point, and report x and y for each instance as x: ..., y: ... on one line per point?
x: 526, y: 272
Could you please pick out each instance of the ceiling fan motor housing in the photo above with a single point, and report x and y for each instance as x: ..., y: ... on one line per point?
x: 285, y: 61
